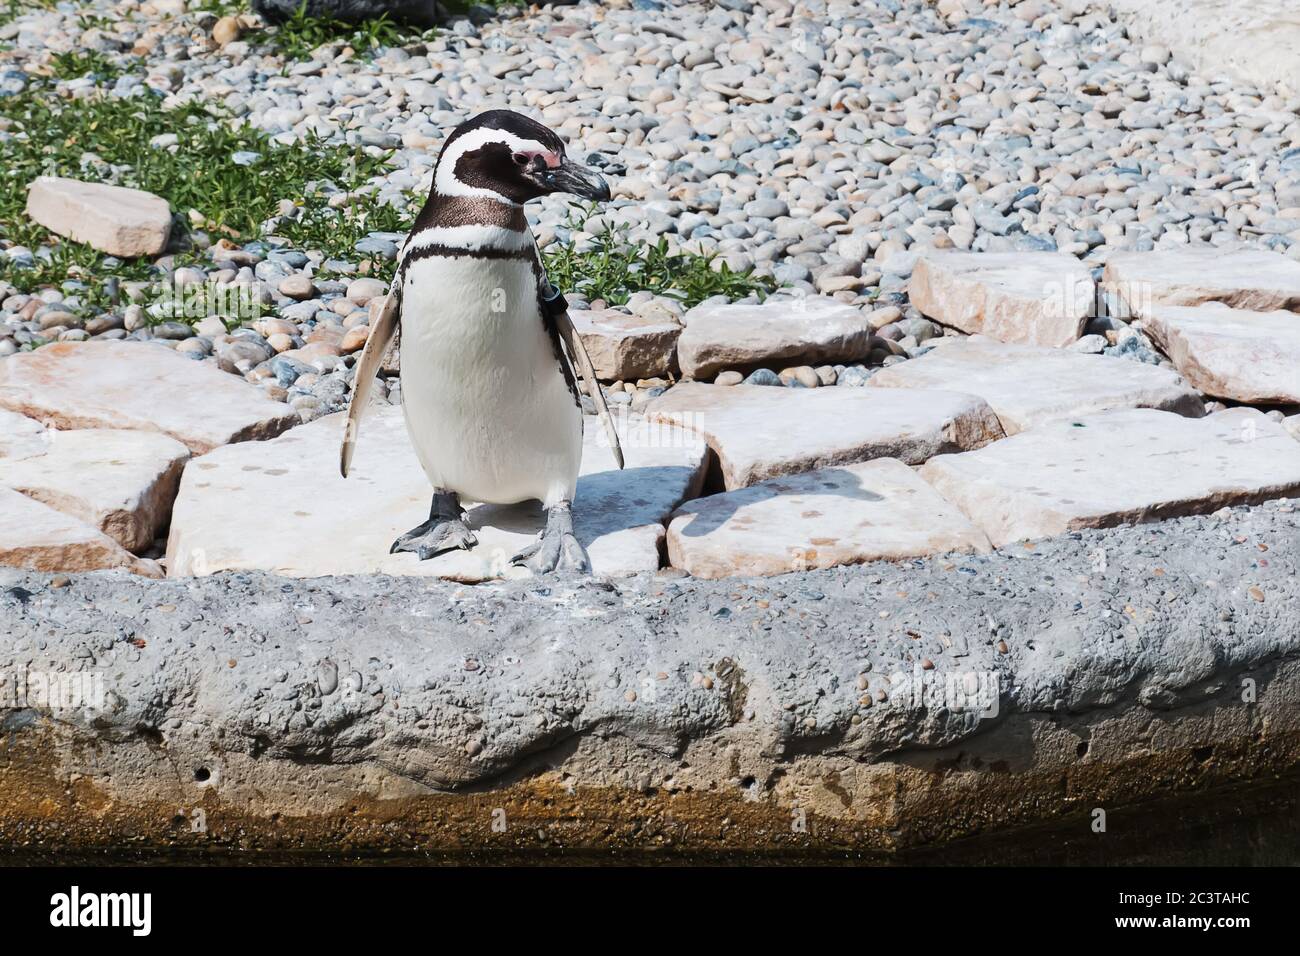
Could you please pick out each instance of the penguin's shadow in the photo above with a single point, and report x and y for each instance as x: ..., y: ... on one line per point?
x: 606, y: 502
x: 832, y: 482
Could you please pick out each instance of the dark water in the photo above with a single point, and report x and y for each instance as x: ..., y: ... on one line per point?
x: 1248, y: 825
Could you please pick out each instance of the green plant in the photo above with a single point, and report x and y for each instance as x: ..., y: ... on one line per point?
x: 105, y: 138
x: 612, y: 267
x: 302, y: 33
x: 74, y: 64
x: 13, y: 9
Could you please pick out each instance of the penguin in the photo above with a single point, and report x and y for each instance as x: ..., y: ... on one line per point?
x: 490, y: 359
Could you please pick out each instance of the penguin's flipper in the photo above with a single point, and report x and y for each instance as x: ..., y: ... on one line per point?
x: 587, y: 371
x: 381, y: 336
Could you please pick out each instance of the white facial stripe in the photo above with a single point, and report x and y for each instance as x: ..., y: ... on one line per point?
x: 471, y: 237
x: 444, y: 176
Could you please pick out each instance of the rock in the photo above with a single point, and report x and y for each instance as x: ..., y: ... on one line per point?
x: 1118, y: 467
x: 759, y: 432
x: 243, y: 507
x: 1243, y: 279
x: 875, y: 511
x: 1037, y: 298
x: 1232, y: 353
x: 121, y: 482
x: 112, y: 219
x: 36, y: 537
x: 1027, y: 385
x: 137, y: 386
x: 810, y: 330
x: 362, y: 291
x: 728, y: 378
x: 298, y: 287
x: 21, y: 436
x: 625, y: 346
x: 227, y: 30
x: 354, y: 339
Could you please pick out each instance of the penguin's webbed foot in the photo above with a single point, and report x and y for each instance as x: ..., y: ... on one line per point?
x: 556, y: 549
x: 444, y: 531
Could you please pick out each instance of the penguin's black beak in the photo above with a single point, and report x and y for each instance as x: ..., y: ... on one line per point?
x: 575, y: 179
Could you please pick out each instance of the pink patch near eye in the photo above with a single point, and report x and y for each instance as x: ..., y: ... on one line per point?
x: 525, y: 157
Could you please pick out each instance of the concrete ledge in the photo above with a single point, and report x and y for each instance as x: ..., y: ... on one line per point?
x: 396, y: 714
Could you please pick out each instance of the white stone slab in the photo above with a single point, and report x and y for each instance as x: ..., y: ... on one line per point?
x: 282, y: 505
x: 1232, y: 353
x: 627, y: 347
x: 1038, y: 298
x: 878, y: 510
x: 784, y: 332
x: 1118, y: 467
x: 760, y: 432
x: 121, y: 482
x: 1027, y: 385
x: 1254, y: 279
x: 112, y: 219
x: 140, y: 386
x: 36, y: 537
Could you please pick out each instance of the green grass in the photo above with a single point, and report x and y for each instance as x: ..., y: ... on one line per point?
x: 13, y: 9
x: 51, y: 133
x: 75, y: 64
x: 612, y: 267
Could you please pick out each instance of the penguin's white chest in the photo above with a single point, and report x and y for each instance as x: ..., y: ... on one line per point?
x: 486, y: 403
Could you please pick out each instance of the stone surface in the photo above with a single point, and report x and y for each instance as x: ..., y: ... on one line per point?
x: 242, y: 506
x: 382, y: 713
x: 21, y: 436
x: 878, y: 510
x: 133, y: 386
x: 1254, y: 42
x: 39, y: 538
x: 1027, y: 385
x: 758, y: 432
x: 1038, y: 298
x: 1132, y: 465
x: 112, y: 219
x: 625, y: 346
x: 812, y: 330
x: 1253, y: 279
x: 1232, y: 353
x: 121, y: 482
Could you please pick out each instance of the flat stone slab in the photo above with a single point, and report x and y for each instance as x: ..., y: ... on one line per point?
x: 21, y: 436
x: 1232, y: 353
x: 135, y: 385
x: 121, y: 482
x: 39, y: 538
x: 1253, y: 279
x: 1118, y: 467
x: 1027, y: 385
x: 800, y: 332
x: 627, y: 347
x: 1038, y: 298
x: 282, y: 505
x: 878, y: 510
x: 112, y: 219
x: 760, y: 432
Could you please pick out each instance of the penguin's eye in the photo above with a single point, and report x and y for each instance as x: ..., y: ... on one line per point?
x: 521, y: 159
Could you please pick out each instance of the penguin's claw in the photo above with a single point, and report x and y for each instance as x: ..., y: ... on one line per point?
x: 556, y: 549
x: 436, y: 536
x: 557, y: 552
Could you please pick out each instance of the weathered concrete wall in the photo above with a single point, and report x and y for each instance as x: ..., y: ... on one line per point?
x: 382, y: 713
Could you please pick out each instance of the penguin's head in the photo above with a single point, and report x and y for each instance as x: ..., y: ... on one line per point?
x: 505, y: 155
